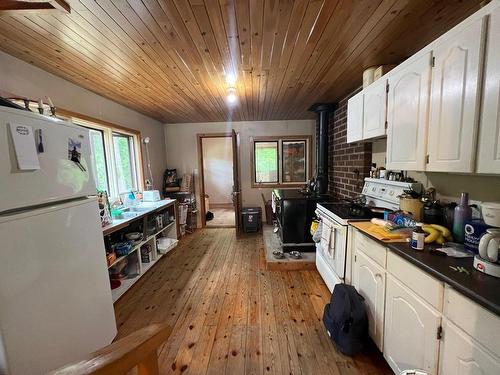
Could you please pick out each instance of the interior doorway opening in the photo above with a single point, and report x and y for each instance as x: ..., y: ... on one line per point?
x: 216, y: 166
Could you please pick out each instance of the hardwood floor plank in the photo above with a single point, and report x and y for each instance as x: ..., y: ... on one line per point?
x: 232, y: 316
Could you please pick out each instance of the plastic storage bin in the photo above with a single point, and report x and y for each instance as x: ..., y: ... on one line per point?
x: 251, y: 217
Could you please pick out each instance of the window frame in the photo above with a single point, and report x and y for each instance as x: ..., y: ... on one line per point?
x: 104, y: 146
x: 254, y: 153
x: 280, y: 139
x: 108, y: 129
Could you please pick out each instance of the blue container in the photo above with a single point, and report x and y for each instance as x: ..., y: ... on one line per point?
x: 473, y: 230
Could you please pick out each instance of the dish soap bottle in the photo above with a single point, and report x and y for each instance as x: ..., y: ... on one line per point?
x: 418, y: 238
x: 462, y: 213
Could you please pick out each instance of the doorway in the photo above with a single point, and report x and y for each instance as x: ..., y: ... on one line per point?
x: 216, y: 171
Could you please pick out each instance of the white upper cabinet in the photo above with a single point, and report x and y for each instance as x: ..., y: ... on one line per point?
x: 489, y: 131
x: 461, y: 354
x: 407, y: 114
x: 369, y: 280
x: 374, y: 109
x: 411, y: 327
x: 355, y: 118
x: 455, y: 100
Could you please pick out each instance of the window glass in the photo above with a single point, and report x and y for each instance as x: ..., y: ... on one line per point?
x: 266, y: 162
x: 123, y: 147
x: 99, y: 159
x: 294, y: 161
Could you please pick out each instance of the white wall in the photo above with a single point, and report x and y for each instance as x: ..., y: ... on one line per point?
x: 182, y: 151
x: 218, y: 169
x: 480, y: 187
x: 23, y: 79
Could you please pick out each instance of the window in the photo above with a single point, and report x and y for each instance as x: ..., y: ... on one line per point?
x: 294, y: 161
x: 266, y: 162
x: 115, y: 158
x: 123, y: 146
x: 280, y: 160
x: 99, y: 159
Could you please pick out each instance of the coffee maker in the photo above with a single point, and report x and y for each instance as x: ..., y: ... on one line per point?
x: 488, y: 259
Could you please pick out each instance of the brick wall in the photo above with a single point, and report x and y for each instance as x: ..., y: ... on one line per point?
x: 348, y: 163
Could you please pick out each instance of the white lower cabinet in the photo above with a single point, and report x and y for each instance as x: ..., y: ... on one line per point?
x: 369, y: 281
x: 411, y: 330
x: 461, y: 354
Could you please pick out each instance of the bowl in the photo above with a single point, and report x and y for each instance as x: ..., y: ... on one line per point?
x: 134, y: 236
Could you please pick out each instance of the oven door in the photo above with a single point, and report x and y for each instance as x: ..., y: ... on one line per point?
x: 333, y: 245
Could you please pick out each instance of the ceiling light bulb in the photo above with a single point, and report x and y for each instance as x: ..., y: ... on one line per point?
x: 231, y: 98
x: 231, y: 78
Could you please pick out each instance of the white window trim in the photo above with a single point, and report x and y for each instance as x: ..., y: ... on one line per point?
x: 280, y: 139
x: 110, y: 154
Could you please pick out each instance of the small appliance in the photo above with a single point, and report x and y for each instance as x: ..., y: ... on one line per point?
x: 487, y: 261
x: 151, y: 196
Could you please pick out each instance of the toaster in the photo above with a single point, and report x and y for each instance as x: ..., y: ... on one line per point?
x: 151, y: 196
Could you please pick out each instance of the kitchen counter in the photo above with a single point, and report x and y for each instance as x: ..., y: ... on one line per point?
x: 145, y: 209
x: 481, y: 288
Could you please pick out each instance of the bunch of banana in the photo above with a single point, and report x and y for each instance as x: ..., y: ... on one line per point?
x: 436, y: 233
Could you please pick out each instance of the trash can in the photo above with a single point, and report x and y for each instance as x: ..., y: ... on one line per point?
x: 251, y: 219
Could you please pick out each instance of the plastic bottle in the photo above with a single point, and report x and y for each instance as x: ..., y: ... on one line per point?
x: 462, y: 213
x: 418, y: 238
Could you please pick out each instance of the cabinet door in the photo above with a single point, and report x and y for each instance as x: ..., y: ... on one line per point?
x: 455, y: 100
x: 461, y: 354
x: 410, y: 332
x: 407, y: 115
x: 374, y: 109
x: 369, y: 281
x: 355, y: 118
x: 489, y: 131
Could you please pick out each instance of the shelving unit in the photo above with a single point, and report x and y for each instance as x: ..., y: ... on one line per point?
x: 169, y: 231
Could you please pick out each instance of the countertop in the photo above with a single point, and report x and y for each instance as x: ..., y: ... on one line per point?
x: 148, y: 207
x: 479, y: 287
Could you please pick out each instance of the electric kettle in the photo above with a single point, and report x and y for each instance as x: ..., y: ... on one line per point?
x: 488, y: 259
x: 489, y: 245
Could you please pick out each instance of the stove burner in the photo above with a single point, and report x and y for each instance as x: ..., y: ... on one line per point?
x: 348, y: 210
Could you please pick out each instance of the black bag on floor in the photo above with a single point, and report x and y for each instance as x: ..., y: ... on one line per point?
x: 345, y: 319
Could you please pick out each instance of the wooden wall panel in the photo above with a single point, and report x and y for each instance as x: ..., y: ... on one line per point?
x: 169, y: 59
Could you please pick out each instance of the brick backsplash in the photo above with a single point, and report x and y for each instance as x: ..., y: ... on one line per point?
x: 348, y: 163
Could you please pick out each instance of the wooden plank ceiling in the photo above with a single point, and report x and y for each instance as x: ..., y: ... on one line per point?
x: 170, y: 59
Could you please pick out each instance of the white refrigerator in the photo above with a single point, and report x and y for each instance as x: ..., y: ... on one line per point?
x: 55, y: 297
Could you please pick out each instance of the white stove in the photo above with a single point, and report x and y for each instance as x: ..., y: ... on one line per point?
x: 331, y: 251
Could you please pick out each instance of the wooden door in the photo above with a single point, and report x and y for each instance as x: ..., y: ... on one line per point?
x: 407, y: 115
x: 374, y: 109
x: 455, y: 97
x: 461, y: 354
x: 236, y: 181
x: 489, y: 131
x: 410, y: 332
x: 369, y: 280
x: 355, y: 118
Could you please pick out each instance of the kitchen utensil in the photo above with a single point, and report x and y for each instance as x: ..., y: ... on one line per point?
x: 40, y: 141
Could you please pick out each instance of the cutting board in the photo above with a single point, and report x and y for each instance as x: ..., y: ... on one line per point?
x: 368, y: 228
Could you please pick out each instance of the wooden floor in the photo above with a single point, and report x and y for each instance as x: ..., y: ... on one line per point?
x: 223, y: 217
x: 231, y: 316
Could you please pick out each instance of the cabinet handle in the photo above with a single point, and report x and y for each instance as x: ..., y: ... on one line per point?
x: 378, y: 275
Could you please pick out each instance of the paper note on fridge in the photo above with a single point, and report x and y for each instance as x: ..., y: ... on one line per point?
x: 24, y: 146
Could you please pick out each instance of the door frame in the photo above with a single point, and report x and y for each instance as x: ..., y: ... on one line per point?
x: 200, y: 137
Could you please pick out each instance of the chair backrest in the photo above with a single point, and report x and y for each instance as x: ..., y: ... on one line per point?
x: 136, y: 350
